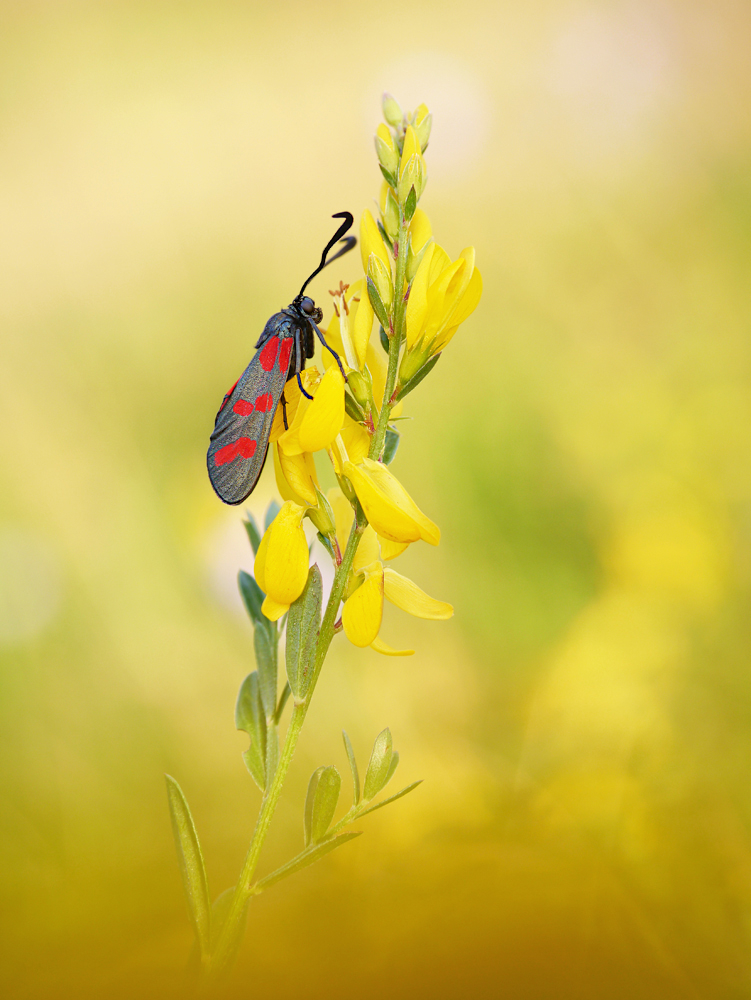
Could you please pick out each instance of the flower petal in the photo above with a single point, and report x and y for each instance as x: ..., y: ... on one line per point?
x: 420, y: 230
x: 387, y: 505
x: 389, y: 549
x: 281, y: 566
x: 363, y: 610
x: 296, y: 477
x: 368, y: 550
x: 324, y: 417
x: 273, y: 610
x: 417, y: 304
x: 361, y: 327
x: 371, y: 242
x: 381, y: 647
x: 407, y: 595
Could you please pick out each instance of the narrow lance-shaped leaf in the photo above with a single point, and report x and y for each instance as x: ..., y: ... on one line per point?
x: 271, y: 511
x: 392, y: 767
x: 378, y: 307
x: 391, y: 798
x: 303, y: 627
x: 417, y: 378
x: 266, y: 647
x: 251, y: 528
x: 251, y: 718
x: 272, y: 754
x: 378, y: 766
x: 352, y: 767
x: 390, y: 446
x: 192, y: 867
x: 253, y: 596
x: 306, y: 858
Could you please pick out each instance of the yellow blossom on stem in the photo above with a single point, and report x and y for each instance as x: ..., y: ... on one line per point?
x: 316, y: 422
x: 387, y: 505
x: 281, y: 566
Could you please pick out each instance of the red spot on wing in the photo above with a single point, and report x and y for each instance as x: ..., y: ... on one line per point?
x: 264, y: 402
x: 243, y: 447
x: 284, y: 354
x: 243, y: 407
x: 268, y: 354
x: 226, y: 396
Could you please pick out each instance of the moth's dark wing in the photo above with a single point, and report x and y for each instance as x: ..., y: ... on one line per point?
x: 240, y: 438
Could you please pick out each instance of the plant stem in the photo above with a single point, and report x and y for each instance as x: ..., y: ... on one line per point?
x: 221, y: 957
x: 395, y: 342
x: 244, y: 888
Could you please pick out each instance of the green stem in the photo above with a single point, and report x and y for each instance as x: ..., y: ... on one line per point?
x: 244, y: 888
x: 395, y: 342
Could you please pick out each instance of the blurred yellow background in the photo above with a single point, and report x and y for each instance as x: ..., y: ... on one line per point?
x: 583, y: 725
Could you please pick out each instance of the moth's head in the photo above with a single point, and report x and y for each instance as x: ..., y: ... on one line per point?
x: 309, y: 310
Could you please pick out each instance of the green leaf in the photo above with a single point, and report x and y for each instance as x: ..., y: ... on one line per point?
x: 385, y: 236
x: 352, y: 766
x: 219, y: 913
x: 417, y: 377
x: 251, y: 718
x: 303, y: 628
x: 253, y: 598
x: 320, y: 803
x: 271, y: 511
x: 410, y: 205
x: 191, y: 864
x: 378, y: 765
x: 282, y: 702
x: 392, y: 798
x: 326, y: 544
x: 251, y: 528
x: 378, y: 307
x: 383, y: 336
x: 353, y: 408
x: 305, y: 858
x: 390, y: 446
x: 392, y: 767
x: 389, y: 176
x: 266, y: 647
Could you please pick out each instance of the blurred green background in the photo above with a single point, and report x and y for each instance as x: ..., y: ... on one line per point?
x: 583, y: 724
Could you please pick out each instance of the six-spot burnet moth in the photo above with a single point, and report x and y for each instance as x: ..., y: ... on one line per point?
x: 240, y: 438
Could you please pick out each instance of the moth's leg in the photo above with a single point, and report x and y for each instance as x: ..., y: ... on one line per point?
x: 329, y: 349
x: 300, y: 361
x: 284, y: 411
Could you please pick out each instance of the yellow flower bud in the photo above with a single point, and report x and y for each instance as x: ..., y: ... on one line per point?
x: 423, y: 122
x: 371, y: 242
x: 410, y: 148
x: 413, y: 175
x: 380, y: 275
x: 388, y: 154
x: 281, y: 566
x: 391, y: 110
x: 391, y: 215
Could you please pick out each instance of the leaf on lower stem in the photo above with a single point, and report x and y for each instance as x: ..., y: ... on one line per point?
x: 272, y: 754
x: 320, y: 803
x: 378, y: 766
x: 251, y: 718
x: 266, y: 648
x: 305, y: 858
x: 303, y: 628
x: 251, y: 528
x: 391, y: 798
x: 352, y: 767
x: 219, y: 913
x: 192, y: 868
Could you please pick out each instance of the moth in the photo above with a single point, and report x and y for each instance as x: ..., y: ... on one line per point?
x: 240, y: 439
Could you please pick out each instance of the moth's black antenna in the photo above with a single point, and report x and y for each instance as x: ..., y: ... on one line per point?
x: 348, y: 244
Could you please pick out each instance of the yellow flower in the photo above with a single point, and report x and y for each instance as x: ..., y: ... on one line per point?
x: 442, y: 295
x: 281, y: 566
x: 296, y: 477
x: 363, y: 609
x: 317, y: 422
x: 387, y: 505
